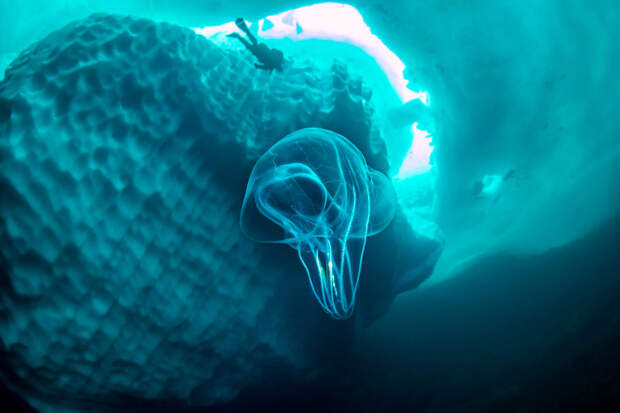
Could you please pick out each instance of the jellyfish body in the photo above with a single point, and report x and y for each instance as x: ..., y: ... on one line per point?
x: 314, y: 191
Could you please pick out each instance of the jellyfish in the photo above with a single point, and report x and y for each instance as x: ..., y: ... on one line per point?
x: 314, y: 191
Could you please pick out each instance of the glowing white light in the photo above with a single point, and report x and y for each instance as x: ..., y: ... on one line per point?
x: 417, y: 160
x: 423, y: 96
x: 335, y: 22
x: 340, y: 23
x: 226, y: 28
x: 343, y: 23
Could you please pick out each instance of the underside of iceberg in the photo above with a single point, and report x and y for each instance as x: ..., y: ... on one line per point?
x: 456, y: 252
x: 126, y: 148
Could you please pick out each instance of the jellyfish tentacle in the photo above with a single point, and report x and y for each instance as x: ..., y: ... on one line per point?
x: 314, y: 191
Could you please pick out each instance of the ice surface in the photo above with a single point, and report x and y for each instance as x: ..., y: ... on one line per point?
x: 515, y: 85
x: 521, y: 85
x: 124, y: 152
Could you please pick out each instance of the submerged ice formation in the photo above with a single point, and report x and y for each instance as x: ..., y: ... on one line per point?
x: 125, y: 148
x: 315, y: 186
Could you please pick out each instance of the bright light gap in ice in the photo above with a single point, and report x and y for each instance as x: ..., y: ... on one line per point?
x: 343, y: 23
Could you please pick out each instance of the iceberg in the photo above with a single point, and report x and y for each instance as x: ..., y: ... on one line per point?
x: 125, y: 148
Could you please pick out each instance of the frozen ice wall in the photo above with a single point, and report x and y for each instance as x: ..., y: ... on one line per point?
x: 125, y: 149
x: 522, y: 86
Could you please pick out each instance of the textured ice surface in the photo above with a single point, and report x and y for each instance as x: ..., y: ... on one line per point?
x: 528, y: 86
x: 125, y: 146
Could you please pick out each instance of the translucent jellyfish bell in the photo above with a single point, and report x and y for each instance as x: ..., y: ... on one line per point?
x: 314, y: 191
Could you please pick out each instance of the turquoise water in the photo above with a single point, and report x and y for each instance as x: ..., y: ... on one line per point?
x: 129, y: 131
